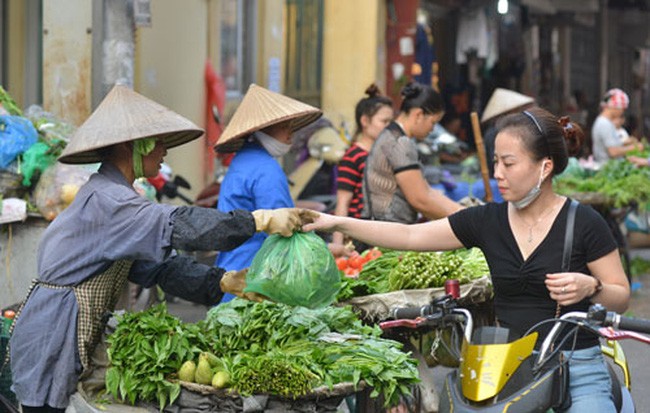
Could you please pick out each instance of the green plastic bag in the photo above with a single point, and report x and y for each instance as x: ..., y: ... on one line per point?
x: 36, y: 159
x: 297, y: 271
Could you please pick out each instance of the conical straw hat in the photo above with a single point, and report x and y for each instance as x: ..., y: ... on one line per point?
x: 261, y: 108
x: 503, y: 101
x: 124, y: 116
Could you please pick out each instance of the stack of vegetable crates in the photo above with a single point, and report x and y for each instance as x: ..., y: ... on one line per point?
x: 5, y: 371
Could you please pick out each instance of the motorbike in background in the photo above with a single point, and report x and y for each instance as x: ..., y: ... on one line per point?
x: 496, y: 374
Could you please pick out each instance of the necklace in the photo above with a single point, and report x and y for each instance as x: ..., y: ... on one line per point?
x: 537, y: 221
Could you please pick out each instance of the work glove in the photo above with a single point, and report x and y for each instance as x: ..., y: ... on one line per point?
x: 234, y: 282
x: 283, y: 221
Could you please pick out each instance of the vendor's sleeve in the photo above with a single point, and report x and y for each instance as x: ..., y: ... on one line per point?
x: 402, y: 156
x: 205, y: 229
x: 180, y: 276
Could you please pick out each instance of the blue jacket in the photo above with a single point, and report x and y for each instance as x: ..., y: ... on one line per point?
x: 254, y: 180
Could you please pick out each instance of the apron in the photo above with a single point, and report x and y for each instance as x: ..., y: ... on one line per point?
x: 96, y: 299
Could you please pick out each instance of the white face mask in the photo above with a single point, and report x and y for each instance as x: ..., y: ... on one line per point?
x: 532, y: 194
x: 273, y: 146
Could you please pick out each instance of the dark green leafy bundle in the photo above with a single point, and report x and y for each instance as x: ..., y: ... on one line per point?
x: 380, y: 363
x: 354, y: 287
x: 272, y: 373
x: 269, y: 343
x: 235, y: 326
x: 145, y: 349
x: 376, y: 272
x: 619, y: 181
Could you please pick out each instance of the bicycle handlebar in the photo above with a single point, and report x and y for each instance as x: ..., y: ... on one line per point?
x: 410, y: 313
x: 631, y: 323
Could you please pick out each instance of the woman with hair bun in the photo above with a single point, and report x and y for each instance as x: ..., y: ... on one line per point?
x: 523, y: 242
x: 372, y: 114
x: 394, y: 186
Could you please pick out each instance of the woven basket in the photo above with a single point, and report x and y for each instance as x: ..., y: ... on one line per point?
x: 339, y: 389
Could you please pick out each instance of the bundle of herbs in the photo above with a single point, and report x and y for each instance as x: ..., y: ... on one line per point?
x: 145, y: 349
x: 401, y: 270
x: 309, y: 348
x: 265, y: 348
x: 619, y: 181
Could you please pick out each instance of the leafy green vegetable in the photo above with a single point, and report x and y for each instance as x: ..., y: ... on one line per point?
x: 270, y: 343
x: 618, y: 181
x: 400, y: 270
x: 266, y: 348
x: 145, y: 349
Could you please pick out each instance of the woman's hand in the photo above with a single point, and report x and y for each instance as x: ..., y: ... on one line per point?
x: 639, y: 161
x: 340, y: 250
x: 570, y: 287
x: 324, y: 222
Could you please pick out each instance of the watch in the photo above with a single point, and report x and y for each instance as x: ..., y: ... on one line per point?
x: 599, y: 288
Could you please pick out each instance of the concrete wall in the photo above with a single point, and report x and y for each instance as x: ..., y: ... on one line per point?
x: 353, y: 51
x: 67, y: 43
x: 16, y: 51
x: 271, y: 45
x: 170, y: 57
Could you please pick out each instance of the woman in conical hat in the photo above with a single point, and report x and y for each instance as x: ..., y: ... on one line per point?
x: 110, y: 234
x: 259, y: 131
x: 502, y: 102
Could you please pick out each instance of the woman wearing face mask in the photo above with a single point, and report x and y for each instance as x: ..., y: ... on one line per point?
x: 523, y: 241
x: 260, y: 131
x: 394, y: 186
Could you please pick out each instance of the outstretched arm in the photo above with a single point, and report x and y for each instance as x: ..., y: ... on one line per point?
x: 182, y: 277
x: 430, y: 236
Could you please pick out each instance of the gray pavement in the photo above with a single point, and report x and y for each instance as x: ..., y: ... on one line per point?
x: 638, y: 354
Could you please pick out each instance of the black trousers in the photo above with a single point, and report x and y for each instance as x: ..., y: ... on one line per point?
x: 42, y: 409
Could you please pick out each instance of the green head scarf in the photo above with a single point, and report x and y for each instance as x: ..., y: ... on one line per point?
x: 141, y: 147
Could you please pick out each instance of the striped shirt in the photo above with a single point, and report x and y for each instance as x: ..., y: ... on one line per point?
x: 350, y: 177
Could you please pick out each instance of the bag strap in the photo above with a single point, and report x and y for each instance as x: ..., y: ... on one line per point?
x: 568, y: 235
x: 568, y: 243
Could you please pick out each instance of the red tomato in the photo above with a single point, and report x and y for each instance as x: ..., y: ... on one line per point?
x: 356, y: 261
x: 351, y: 272
x: 373, y: 254
x: 342, y: 263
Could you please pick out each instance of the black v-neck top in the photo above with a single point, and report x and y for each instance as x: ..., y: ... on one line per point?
x: 521, y: 298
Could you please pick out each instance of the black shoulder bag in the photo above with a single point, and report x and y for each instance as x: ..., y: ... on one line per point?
x: 561, y: 387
